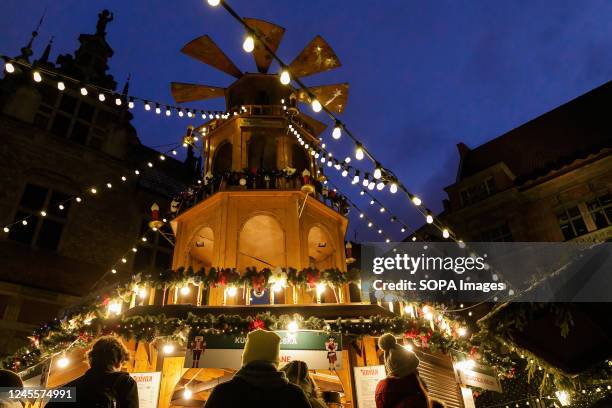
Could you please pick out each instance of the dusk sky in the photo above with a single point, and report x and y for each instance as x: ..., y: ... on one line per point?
x: 423, y: 75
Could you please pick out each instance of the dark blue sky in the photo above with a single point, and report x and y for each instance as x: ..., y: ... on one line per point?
x: 423, y: 75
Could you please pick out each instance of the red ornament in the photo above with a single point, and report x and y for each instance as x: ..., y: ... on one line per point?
x: 257, y: 324
x: 473, y: 351
x: 312, y: 277
x: 155, y: 212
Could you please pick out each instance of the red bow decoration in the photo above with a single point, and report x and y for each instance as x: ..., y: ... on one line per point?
x: 257, y: 324
x: 412, y: 333
x: 473, y: 351
x: 312, y: 277
x: 425, y: 339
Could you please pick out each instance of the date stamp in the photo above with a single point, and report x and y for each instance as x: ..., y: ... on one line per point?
x: 38, y: 393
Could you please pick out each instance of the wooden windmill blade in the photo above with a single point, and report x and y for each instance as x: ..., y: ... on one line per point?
x: 204, y: 49
x: 184, y: 92
x: 334, y: 97
x: 317, y: 57
x: 316, y: 126
x: 272, y: 35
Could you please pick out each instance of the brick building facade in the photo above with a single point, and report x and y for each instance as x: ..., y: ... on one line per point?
x: 58, y: 144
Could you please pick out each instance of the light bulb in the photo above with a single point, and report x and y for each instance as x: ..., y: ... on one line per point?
x: 370, y: 224
x: 113, y: 271
x: 344, y: 173
x: 361, y: 215
x: 93, y: 190
x: 185, y: 290
x: 365, y: 182
x: 214, y: 3
x: 142, y: 293
x: 293, y: 326
x: 37, y: 76
x: 101, y: 97
x: 320, y: 288
x: 416, y: 200
x: 63, y: 362
x: 445, y: 233
x: 231, y: 291
x: 461, y: 331
x: 355, y: 179
x: 10, y: 68
x: 316, y: 105
x: 6, y: 229
x: 285, y: 78
x: 147, y: 106
x: 371, y: 185
x: 377, y: 173
x: 168, y: 348
x: 180, y: 113
x: 403, y: 229
x: 380, y: 185
x: 382, y: 209
x: 131, y: 104
x: 359, y: 153
x: 168, y: 112
x: 337, y: 132
x: 429, y: 219
x: 157, y: 109
x: 249, y: 44
x: 61, y: 86
x: 24, y: 222
x: 187, y: 393
x: 118, y: 101
x: 408, y: 347
x: 393, y: 188
x: 83, y: 91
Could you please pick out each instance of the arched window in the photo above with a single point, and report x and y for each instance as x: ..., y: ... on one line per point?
x: 262, y: 152
x: 222, y: 162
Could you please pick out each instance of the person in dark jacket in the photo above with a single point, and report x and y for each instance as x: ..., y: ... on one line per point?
x: 11, y: 380
x: 258, y: 383
x: 104, y: 383
x: 297, y: 373
x: 402, y: 388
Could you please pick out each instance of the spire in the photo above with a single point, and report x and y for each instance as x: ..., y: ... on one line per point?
x: 26, y: 52
x: 45, y: 55
x: 126, y: 87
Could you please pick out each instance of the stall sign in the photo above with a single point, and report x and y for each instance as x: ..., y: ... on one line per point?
x: 480, y: 376
x: 148, y: 388
x: 366, y: 380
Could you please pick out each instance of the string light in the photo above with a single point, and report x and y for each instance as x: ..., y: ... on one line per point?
x: 187, y: 393
x: 101, y: 97
x: 6, y: 229
x: 416, y: 200
x: 118, y: 101
x: 337, y: 132
x: 359, y: 152
x: 83, y: 91
x: 249, y: 44
x: 445, y: 233
x: 168, y: 348
x: 147, y: 106
x: 316, y: 105
x: 393, y: 188
x: 61, y: 86
x: 293, y: 326
x: 10, y: 68
x: 285, y: 78
x: 168, y: 111
x: 214, y: 3
x: 185, y: 290
x: 377, y: 172
x: 231, y: 291
x: 63, y: 362
x: 131, y: 103
x: 429, y: 219
x: 157, y: 108
x: 37, y: 77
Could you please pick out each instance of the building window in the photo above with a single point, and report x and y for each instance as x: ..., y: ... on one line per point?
x: 500, y: 233
x: 478, y: 192
x: 41, y: 232
x: 72, y: 118
x: 571, y: 222
x: 154, y: 254
x: 601, y: 210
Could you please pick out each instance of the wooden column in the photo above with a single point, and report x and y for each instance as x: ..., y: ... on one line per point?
x: 172, y: 371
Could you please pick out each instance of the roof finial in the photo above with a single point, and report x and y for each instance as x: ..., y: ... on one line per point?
x: 45, y: 55
x: 26, y: 52
x: 126, y: 87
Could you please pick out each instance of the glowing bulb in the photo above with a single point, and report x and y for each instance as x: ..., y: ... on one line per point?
x: 83, y: 91
x: 93, y: 190
x: 231, y: 291
x: 416, y: 200
x: 344, y: 173
x: 78, y: 199
x: 131, y: 104
x: 187, y: 393
x: 429, y: 219
x: 113, y: 271
x: 43, y: 213
x: 61, y: 86
x: 147, y: 106
x: 445, y: 233
x: 185, y: 290
x: 377, y: 173
x: 370, y: 224
x: 563, y: 397
x: 337, y: 132
x: 355, y: 179
x: 214, y: 3
x: 393, y: 188
x: 101, y: 97
x: 180, y: 113
x: 462, y: 331
x: 359, y: 153
x: 10, y: 68
x: 24, y: 222
x: 380, y: 186
x: 168, y: 348
x: 277, y: 287
x: 118, y: 101
x: 124, y: 260
x: 320, y: 288
x: 37, y: 76
x: 371, y: 185
x: 316, y: 105
x: 249, y: 44
x: 142, y: 293
x: 285, y: 78
x: 168, y: 112
x: 109, y: 185
x: 408, y: 347
x: 6, y: 229
x: 293, y: 326
x: 63, y: 362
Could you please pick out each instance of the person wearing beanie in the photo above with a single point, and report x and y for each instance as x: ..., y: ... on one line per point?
x: 10, y: 379
x: 297, y: 373
x: 402, y: 388
x: 258, y: 383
